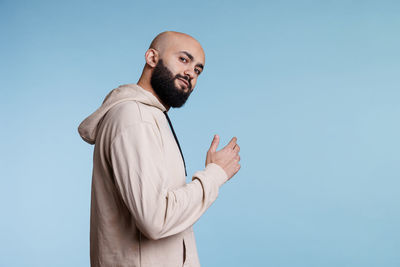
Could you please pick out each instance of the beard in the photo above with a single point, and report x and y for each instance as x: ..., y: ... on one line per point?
x: 163, y: 82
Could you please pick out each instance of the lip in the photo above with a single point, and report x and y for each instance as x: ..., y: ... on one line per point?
x: 184, y: 81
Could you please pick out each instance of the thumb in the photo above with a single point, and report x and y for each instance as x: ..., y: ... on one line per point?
x: 214, y: 143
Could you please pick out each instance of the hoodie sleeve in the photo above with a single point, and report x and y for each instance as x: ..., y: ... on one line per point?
x: 140, y: 176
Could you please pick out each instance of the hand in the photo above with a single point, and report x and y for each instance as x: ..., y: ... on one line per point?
x: 227, y: 158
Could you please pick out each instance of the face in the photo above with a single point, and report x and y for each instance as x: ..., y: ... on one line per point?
x: 176, y: 73
x: 164, y: 85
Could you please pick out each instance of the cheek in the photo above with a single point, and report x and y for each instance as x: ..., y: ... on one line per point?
x: 173, y: 67
x: 194, y: 81
x: 174, y: 70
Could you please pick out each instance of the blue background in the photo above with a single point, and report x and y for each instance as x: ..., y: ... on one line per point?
x: 310, y: 88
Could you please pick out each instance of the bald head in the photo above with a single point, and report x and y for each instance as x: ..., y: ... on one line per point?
x: 165, y: 40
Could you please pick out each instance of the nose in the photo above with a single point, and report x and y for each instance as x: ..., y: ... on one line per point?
x: 189, y: 73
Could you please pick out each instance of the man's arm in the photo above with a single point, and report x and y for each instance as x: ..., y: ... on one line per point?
x: 141, y: 178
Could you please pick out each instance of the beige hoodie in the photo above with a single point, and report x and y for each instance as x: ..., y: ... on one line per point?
x: 142, y: 210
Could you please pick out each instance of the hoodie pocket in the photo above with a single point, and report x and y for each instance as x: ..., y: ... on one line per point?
x: 190, y: 251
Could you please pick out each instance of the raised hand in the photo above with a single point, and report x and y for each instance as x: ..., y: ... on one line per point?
x: 227, y: 158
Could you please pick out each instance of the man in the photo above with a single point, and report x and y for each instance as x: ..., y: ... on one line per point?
x: 142, y: 210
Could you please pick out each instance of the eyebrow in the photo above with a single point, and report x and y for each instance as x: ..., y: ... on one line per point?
x: 191, y: 58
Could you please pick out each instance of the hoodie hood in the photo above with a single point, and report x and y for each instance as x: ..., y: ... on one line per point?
x: 130, y: 92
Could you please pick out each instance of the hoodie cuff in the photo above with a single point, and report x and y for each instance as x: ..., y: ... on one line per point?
x: 214, y: 173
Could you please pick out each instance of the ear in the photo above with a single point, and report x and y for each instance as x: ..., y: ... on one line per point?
x: 151, y: 57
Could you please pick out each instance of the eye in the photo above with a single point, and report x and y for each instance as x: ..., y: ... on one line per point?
x: 184, y: 60
x: 197, y: 71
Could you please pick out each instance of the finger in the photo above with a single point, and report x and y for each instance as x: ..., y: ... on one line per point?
x: 235, y: 168
x: 238, y: 167
x: 236, y: 149
x: 214, y: 143
x: 231, y: 143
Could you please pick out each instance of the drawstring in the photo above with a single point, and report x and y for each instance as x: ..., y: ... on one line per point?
x: 176, y: 139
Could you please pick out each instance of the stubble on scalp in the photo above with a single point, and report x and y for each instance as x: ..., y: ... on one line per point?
x: 162, y: 39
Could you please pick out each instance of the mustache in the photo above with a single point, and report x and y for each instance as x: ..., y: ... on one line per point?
x: 178, y: 76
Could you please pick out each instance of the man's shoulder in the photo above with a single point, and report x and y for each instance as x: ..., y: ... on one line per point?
x: 132, y: 115
x: 131, y: 111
